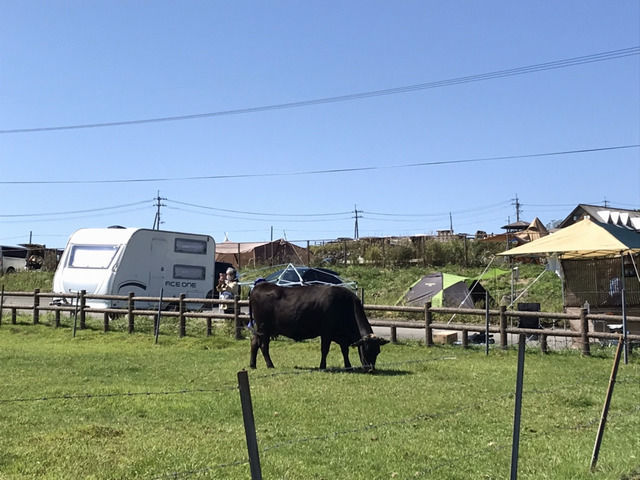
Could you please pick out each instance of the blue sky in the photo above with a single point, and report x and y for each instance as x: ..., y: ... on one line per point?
x: 78, y: 63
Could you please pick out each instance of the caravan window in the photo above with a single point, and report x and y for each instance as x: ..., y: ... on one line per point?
x: 92, y: 256
x: 188, y: 272
x: 189, y: 245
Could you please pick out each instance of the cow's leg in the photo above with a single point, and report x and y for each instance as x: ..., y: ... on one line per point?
x: 264, y: 346
x: 325, y: 344
x: 345, y: 354
x: 255, y: 344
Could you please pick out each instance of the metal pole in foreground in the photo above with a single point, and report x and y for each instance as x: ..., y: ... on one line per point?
x: 249, y: 425
x: 157, y: 332
x: 515, y: 446
x: 486, y: 325
x: 605, y: 409
x: 75, y: 315
x: 1, y: 303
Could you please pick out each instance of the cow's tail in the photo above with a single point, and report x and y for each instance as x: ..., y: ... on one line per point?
x: 361, y: 318
x: 251, y: 324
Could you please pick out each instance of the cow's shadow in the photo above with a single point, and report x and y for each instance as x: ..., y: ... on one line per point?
x: 381, y: 372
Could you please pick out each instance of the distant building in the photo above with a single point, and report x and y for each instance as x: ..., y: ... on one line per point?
x: 614, y: 216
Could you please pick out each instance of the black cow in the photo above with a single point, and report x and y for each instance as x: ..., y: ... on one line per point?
x: 330, y: 312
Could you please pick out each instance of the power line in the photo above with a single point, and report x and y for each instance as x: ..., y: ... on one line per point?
x: 469, y: 210
x: 556, y: 64
x: 322, y: 172
x: 259, y: 213
x: 70, y: 212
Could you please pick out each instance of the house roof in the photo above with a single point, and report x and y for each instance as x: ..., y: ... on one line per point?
x: 613, y: 216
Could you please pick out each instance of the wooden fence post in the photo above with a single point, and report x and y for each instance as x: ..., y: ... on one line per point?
x: 130, y: 304
x: 503, y: 327
x: 14, y: 316
x: 182, y: 322
x: 249, y: 425
x: 56, y: 319
x: 465, y: 339
x: 105, y: 322
x: 428, y: 320
x: 83, y: 306
x: 584, y: 329
x: 394, y: 335
x: 36, y: 304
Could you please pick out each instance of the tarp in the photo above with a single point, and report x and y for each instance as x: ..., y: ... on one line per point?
x: 583, y: 239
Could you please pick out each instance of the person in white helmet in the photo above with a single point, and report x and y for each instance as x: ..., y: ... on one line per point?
x: 228, y: 287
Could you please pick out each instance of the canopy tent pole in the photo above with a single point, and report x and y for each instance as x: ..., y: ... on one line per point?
x: 528, y: 287
x: 623, y: 300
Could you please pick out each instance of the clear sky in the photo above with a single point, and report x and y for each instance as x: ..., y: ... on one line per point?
x: 78, y: 63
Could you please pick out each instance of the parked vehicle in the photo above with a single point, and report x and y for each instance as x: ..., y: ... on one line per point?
x: 12, y: 259
x: 119, y: 261
x: 303, y: 275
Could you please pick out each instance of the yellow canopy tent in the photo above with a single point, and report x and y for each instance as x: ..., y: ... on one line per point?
x: 583, y: 239
x: 587, y: 239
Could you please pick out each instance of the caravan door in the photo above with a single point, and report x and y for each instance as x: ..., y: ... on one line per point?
x: 158, y: 267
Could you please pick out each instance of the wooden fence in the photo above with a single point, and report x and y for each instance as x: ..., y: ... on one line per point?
x: 493, y: 321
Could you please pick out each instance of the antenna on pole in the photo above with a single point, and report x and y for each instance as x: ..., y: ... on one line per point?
x: 158, y: 204
x: 356, y: 233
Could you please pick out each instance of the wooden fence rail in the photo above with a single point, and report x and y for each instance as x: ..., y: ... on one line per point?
x: 207, y: 308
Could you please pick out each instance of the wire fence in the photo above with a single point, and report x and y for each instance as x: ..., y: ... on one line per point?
x: 595, y: 382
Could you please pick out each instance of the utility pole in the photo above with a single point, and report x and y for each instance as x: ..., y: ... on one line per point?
x: 606, y: 202
x: 158, y: 204
x: 450, y: 222
x: 517, y: 205
x: 356, y: 234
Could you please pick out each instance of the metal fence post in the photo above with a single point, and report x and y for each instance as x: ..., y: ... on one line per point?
x: 584, y: 330
x: 156, y: 325
x: 36, y: 304
x: 515, y: 445
x: 181, y: 320
x: 487, y: 320
x: 83, y: 313
x: 503, y: 327
x: 236, y: 318
x: 428, y: 320
x: 130, y: 316
x: 249, y: 425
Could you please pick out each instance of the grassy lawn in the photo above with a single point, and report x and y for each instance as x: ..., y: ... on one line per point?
x: 113, y: 406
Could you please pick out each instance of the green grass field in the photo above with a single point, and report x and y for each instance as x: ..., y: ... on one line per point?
x: 115, y: 406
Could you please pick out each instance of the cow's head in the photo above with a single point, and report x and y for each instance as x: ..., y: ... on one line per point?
x: 369, y: 349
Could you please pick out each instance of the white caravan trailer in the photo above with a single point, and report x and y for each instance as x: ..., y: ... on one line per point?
x: 117, y: 261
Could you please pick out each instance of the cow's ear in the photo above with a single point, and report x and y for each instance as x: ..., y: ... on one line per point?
x: 382, y: 341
